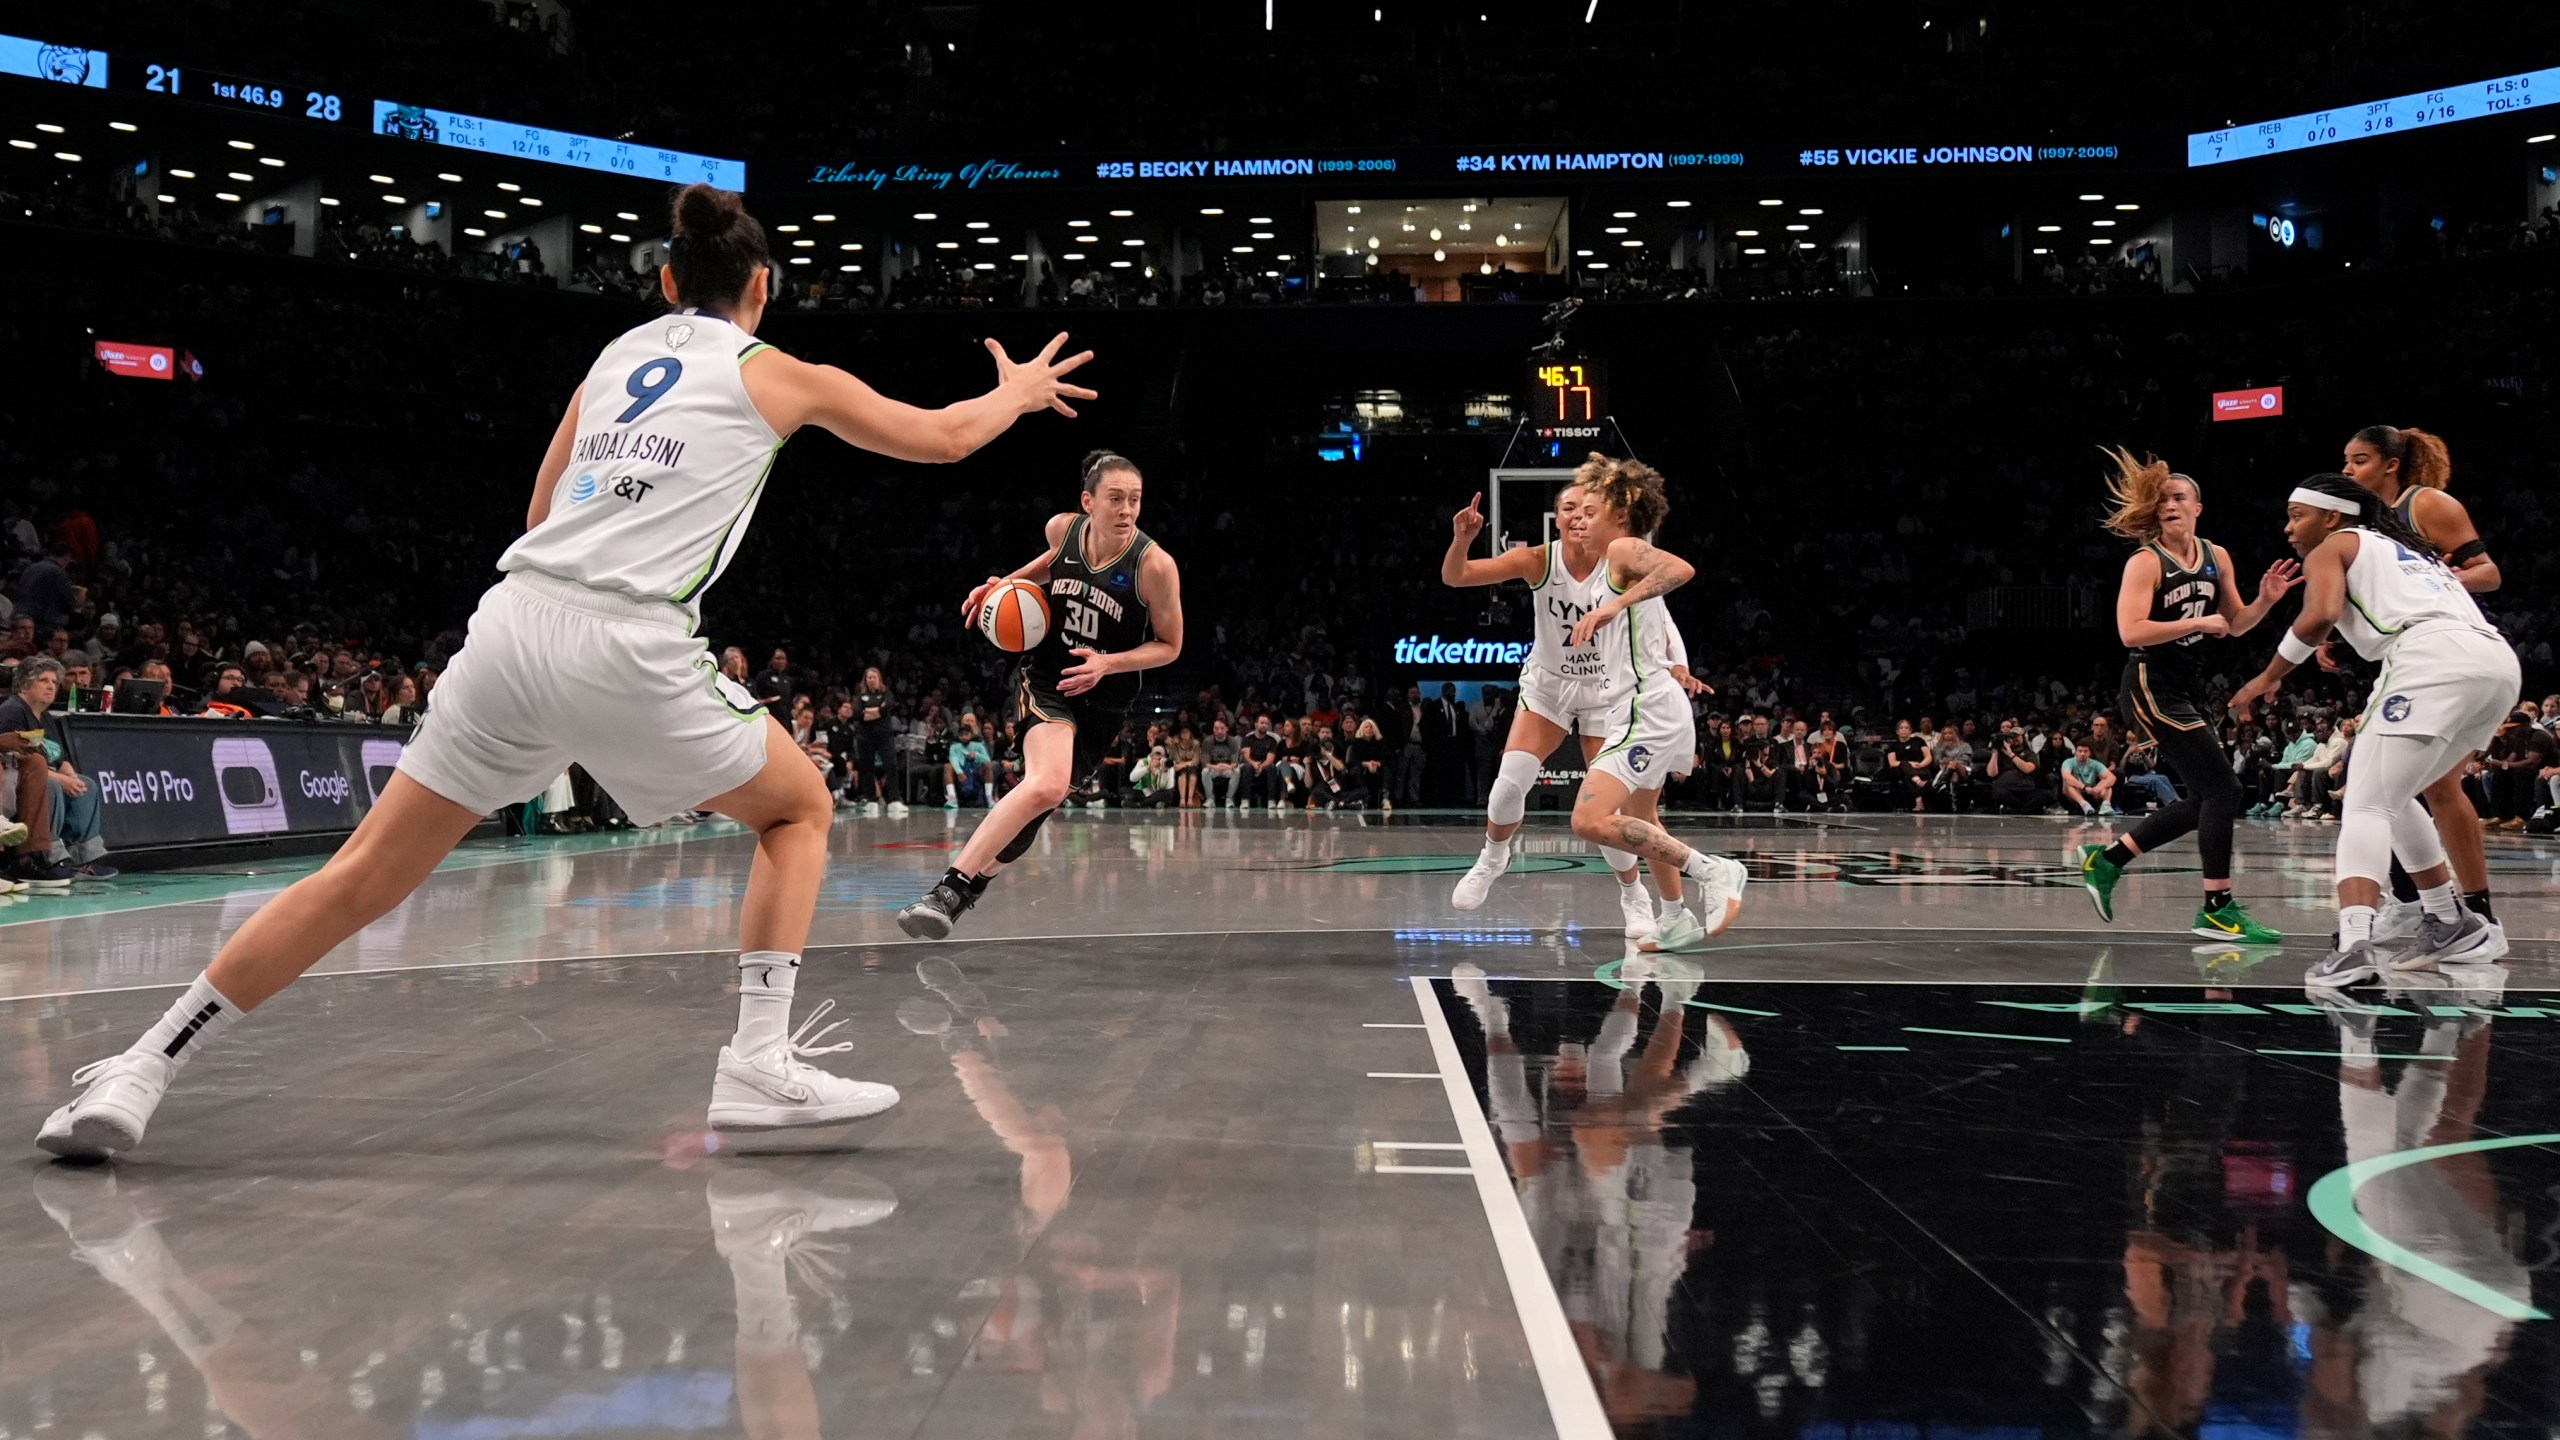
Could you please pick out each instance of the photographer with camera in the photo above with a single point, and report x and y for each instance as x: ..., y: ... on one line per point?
x: 2017, y: 784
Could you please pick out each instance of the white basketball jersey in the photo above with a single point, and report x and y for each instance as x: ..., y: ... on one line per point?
x: 1561, y: 603
x: 1640, y: 649
x: 669, y: 460
x: 2392, y: 589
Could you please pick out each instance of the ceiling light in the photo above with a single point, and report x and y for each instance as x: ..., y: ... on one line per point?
x: 328, y: 199
x: 1596, y: 265
x: 926, y: 215
x: 395, y: 200
x: 984, y: 265
x: 2102, y: 224
x: 1211, y: 210
x: 529, y: 200
x: 1088, y: 239
x: 22, y: 144
x: 166, y: 199
x: 946, y: 244
x: 975, y: 225
x: 1019, y: 259
x: 799, y: 259
x: 1810, y: 210
x: 989, y: 239
x: 1079, y: 224
x: 1755, y: 250
x: 1373, y: 242
x: 226, y: 195
x: 2048, y: 229
x: 241, y: 175
x: 1631, y: 244
x: 1584, y: 253
x: 1799, y: 229
x: 448, y: 177
x: 2540, y: 139
x: 1465, y: 225
x: 2101, y: 240
x: 802, y: 244
x: 1614, y: 230
x: 1674, y: 204
x: 1408, y: 227
x: 1072, y: 255
x: 1746, y: 234
x: 1773, y: 202
x: 1436, y: 254
x: 234, y: 144
x: 1122, y: 214
x: 621, y: 239
x: 1265, y: 219
x: 2128, y: 205
x: 849, y: 245
x: 120, y: 125
x: 1266, y: 235
x: 1515, y: 225
x: 848, y: 269
x: 509, y: 186
x: 184, y: 174
x: 1241, y: 249
x: 271, y: 160
x: 1351, y: 210
x: 475, y: 230
x: 591, y: 229
x: 382, y: 180
x: 1485, y: 269
x: 1119, y: 264
x: 1284, y: 257
x: 66, y: 155
x: 1133, y: 242
x: 624, y: 215
x: 822, y: 219
x: 1500, y: 239
x: 2093, y: 197
x: 787, y: 229
x: 56, y: 130
x: 495, y: 214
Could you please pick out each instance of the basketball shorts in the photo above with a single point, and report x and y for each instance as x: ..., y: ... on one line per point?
x: 1570, y: 704
x: 2158, y: 701
x: 552, y: 672
x: 2445, y: 679
x: 1095, y: 725
x: 1655, y: 739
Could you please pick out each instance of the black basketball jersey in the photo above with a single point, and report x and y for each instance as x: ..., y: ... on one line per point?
x: 2183, y: 594
x: 1093, y: 607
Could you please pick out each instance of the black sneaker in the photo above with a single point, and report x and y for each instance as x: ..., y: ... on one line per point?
x: 40, y: 875
x: 95, y: 870
x: 932, y: 917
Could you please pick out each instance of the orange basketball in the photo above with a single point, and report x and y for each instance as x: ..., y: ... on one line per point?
x: 1014, y: 616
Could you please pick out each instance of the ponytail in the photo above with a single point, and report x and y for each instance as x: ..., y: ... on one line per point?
x: 2421, y: 455
x: 2137, y: 488
x: 1630, y: 487
x: 716, y: 247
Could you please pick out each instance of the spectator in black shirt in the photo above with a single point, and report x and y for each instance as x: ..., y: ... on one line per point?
x: 45, y: 592
x: 1112, y: 775
x: 1365, y: 766
x: 876, y: 741
x: 1909, y: 763
x: 2517, y: 757
x: 775, y: 685
x: 1218, y: 772
x: 2017, y: 782
x: 1261, y: 775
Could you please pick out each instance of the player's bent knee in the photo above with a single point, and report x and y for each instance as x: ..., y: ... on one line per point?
x: 1508, y: 802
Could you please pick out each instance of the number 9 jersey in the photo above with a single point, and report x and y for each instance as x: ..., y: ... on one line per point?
x: 1092, y: 606
x: 669, y: 460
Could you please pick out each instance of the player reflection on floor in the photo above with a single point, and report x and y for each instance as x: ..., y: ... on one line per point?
x: 1096, y: 1328
x: 1609, y: 1191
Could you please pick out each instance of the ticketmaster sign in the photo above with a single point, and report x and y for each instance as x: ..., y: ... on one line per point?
x: 1432, y: 650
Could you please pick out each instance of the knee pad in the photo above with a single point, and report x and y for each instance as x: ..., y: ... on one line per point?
x: 1021, y: 844
x: 1510, y: 798
x: 1619, y: 860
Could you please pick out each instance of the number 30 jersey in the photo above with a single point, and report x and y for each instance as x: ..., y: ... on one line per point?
x: 669, y: 459
x: 1093, y: 607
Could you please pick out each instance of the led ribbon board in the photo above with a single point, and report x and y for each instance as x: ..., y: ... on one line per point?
x: 2336, y: 126
x: 553, y: 147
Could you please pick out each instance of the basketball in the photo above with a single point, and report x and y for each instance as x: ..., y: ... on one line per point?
x: 1014, y: 616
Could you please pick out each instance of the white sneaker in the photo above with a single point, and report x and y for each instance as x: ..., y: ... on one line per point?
x: 1478, y: 881
x: 870, y: 808
x: 1636, y: 903
x: 774, y: 1089
x: 113, y: 1111
x: 897, y: 808
x: 2399, y: 918
x: 1681, y: 932
x: 1720, y: 893
x: 752, y: 1212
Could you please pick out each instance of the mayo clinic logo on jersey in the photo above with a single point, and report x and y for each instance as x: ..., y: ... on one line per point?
x: 2396, y: 709
x: 678, y: 334
x: 1432, y: 650
x: 582, y: 490
x: 1639, y: 757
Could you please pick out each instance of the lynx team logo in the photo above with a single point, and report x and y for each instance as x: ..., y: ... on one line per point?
x: 1639, y: 757
x: 67, y: 64
x: 677, y: 335
x: 2396, y: 709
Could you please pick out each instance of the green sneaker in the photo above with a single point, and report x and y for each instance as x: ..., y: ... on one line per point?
x: 2098, y: 876
x: 2232, y: 922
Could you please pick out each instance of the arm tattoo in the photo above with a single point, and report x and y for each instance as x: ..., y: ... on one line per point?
x: 1651, y: 582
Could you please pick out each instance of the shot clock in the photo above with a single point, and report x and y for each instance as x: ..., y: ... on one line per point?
x: 1567, y: 393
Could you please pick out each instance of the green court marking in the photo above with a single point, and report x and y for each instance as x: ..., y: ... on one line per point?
x: 147, y: 890
x: 1730, y: 1009
x: 2350, y: 1055
x: 2333, y: 1203
x: 1988, y: 1035
x: 1902, y: 1048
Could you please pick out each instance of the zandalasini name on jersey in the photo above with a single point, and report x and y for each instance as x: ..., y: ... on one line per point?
x: 612, y: 445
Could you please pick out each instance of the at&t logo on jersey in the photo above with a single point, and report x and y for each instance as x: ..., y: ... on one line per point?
x: 2396, y: 709
x: 582, y: 490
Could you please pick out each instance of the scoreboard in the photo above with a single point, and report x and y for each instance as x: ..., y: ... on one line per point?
x: 1567, y: 394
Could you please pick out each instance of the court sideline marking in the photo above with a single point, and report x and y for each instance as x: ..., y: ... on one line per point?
x: 1573, y: 1402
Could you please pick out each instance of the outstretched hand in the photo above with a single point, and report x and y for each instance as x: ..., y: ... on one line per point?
x: 1037, y: 383
x: 2280, y: 578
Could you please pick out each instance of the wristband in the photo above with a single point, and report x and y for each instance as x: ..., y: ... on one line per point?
x: 2293, y: 650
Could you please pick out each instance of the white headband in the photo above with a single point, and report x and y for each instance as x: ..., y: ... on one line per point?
x: 2323, y: 500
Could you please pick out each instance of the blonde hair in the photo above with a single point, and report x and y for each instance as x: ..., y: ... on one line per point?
x: 1368, y: 730
x: 1629, y: 487
x: 2137, y: 488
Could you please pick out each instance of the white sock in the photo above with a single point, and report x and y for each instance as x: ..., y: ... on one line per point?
x: 2355, y: 922
x: 950, y: 792
x: 2442, y: 902
x: 1498, y: 850
x: 192, y: 1019
x: 766, y: 979
x: 1695, y: 867
x: 1666, y: 907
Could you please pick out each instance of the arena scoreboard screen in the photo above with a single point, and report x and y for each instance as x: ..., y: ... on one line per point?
x: 1567, y: 394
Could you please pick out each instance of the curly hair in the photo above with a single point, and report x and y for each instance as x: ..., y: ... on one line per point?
x: 2421, y: 456
x: 2371, y: 513
x: 1630, y: 487
x: 2137, y: 488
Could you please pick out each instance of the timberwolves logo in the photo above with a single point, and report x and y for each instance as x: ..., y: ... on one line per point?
x: 1639, y: 757
x: 678, y: 334
x: 582, y: 490
x: 66, y: 64
x: 2396, y: 709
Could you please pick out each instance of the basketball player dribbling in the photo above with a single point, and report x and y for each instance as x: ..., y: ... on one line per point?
x: 1655, y: 735
x: 1115, y: 609
x: 588, y: 651
x: 1563, y: 690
